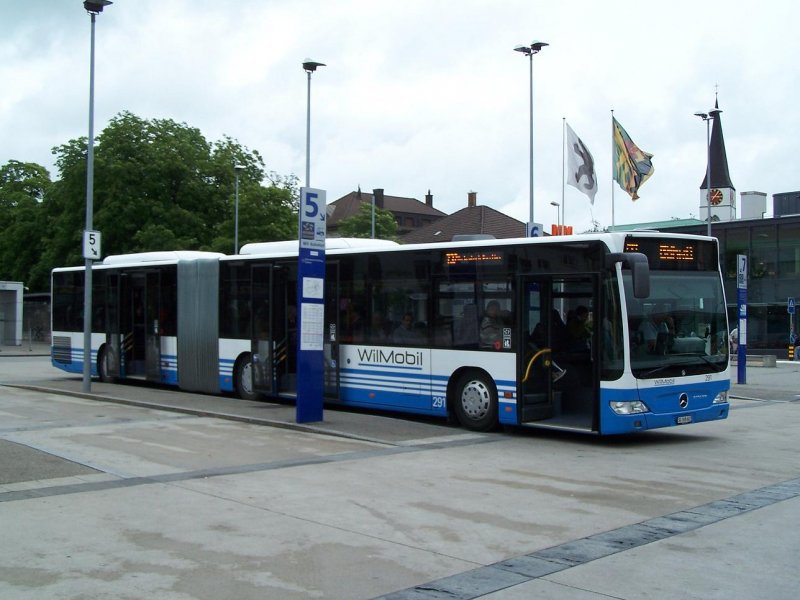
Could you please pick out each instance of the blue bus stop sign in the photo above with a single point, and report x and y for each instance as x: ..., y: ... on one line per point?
x: 311, y: 309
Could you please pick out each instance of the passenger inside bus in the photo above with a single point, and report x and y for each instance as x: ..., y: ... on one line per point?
x: 353, y: 324
x: 659, y: 322
x: 405, y: 332
x: 558, y: 333
x: 377, y: 330
x: 579, y: 329
x: 492, y: 326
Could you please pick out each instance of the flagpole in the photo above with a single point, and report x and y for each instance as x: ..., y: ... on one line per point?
x: 612, y: 168
x: 563, y: 166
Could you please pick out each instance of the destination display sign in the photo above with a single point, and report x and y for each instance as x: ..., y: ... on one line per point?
x: 678, y: 255
x: 473, y: 257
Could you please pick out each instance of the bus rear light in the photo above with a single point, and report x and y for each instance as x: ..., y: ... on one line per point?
x: 721, y: 398
x: 631, y: 407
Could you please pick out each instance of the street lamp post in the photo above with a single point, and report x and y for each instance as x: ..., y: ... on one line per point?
x: 529, y: 50
x: 237, y: 168
x: 708, y: 117
x: 558, y: 214
x: 94, y: 8
x: 309, y: 66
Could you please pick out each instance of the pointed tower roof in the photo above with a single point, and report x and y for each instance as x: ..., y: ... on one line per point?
x: 720, y: 178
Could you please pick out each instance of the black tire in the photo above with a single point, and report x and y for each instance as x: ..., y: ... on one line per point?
x: 243, y: 378
x: 475, y: 401
x: 102, y: 365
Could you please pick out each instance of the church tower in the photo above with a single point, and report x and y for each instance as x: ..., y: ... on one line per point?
x: 723, y: 195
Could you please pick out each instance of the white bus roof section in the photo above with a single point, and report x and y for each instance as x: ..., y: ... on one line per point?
x: 161, y: 257
x: 291, y: 246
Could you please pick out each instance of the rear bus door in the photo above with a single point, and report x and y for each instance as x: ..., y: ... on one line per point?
x: 113, y: 326
x: 331, y: 333
x: 152, y: 331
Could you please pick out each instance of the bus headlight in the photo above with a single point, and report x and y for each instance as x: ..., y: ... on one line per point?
x: 631, y: 407
x: 721, y: 398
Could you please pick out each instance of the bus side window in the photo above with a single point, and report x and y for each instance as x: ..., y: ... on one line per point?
x: 465, y: 328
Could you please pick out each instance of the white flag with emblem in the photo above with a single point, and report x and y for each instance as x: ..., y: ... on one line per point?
x: 580, y: 172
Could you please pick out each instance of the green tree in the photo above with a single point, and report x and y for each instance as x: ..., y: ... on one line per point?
x: 267, y: 213
x: 160, y: 185
x: 23, y: 188
x: 360, y: 225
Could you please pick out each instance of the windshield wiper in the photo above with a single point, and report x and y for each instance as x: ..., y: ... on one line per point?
x: 683, y: 363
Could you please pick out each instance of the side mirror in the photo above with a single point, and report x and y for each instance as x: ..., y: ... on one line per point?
x: 640, y: 270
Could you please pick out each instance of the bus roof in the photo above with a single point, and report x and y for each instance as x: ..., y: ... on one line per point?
x: 290, y: 246
x: 614, y: 240
x: 164, y: 256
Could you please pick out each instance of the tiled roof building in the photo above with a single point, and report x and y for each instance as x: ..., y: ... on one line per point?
x: 473, y: 219
x: 409, y: 213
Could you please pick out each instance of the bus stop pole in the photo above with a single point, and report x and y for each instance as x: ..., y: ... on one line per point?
x: 741, y: 303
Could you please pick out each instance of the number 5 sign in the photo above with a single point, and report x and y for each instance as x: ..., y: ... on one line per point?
x: 91, y: 245
x: 312, y: 219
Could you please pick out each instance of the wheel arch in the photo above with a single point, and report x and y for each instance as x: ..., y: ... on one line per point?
x: 454, y: 390
x: 100, y: 367
x: 455, y: 378
x: 242, y: 360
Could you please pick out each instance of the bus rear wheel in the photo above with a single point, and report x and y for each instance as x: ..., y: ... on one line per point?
x: 243, y: 377
x: 476, y: 402
x: 102, y: 365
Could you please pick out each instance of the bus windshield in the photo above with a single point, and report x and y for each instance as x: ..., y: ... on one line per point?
x: 681, y: 328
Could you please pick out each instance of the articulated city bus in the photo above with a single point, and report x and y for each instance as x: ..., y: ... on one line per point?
x: 601, y: 333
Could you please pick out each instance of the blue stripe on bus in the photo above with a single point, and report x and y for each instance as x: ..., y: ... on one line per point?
x: 366, y: 364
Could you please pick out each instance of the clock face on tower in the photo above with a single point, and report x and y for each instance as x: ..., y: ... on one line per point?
x: 715, y: 197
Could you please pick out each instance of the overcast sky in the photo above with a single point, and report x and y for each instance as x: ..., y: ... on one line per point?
x: 427, y: 94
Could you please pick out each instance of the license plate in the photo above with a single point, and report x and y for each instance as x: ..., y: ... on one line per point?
x: 682, y: 420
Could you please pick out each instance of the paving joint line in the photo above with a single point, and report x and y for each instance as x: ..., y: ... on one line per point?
x: 492, y: 578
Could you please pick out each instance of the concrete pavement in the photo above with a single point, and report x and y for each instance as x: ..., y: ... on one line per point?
x: 123, y: 499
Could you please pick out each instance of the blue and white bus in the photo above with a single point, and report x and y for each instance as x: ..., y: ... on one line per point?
x: 602, y: 333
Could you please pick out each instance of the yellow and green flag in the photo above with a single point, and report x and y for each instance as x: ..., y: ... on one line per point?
x: 632, y: 166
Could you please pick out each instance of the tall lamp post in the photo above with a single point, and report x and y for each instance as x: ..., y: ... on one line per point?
x: 94, y: 8
x: 708, y: 117
x: 529, y: 50
x: 237, y: 168
x: 309, y: 66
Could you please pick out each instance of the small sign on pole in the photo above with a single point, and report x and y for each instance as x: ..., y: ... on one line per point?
x: 534, y: 229
x: 790, y: 308
x: 91, y: 245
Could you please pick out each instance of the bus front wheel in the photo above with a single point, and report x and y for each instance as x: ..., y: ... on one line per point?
x: 476, y: 402
x: 243, y: 377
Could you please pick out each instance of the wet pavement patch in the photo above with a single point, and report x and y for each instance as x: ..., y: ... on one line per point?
x: 20, y: 463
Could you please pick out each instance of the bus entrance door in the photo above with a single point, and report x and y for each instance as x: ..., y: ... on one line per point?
x: 558, y: 373
x: 537, y: 369
x: 261, y: 345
